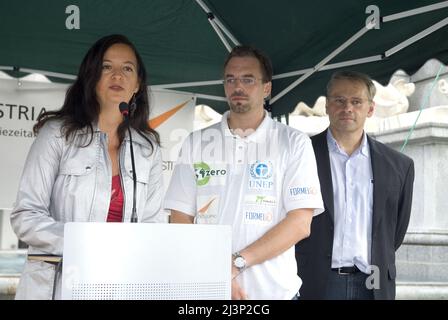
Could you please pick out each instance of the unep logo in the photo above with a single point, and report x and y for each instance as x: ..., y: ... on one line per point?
x: 261, y: 170
x: 203, y: 173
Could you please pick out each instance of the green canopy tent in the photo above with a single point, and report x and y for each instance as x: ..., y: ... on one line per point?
x: 184, y: 42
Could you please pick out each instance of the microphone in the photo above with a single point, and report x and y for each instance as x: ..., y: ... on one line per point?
x: 124, y: 109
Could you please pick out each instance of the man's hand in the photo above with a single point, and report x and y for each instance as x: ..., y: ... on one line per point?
x: 180, y: 217
x: 238, y: 293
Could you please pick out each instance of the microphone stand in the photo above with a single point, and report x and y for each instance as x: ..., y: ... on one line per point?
x: 124, y: 109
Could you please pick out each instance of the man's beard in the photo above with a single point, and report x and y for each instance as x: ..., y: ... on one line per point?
x: 239, y: 107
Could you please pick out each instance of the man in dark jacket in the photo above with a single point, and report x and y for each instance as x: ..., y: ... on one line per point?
x: 367, y: 191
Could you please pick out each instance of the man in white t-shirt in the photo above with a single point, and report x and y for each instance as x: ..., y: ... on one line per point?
x: 252, y: 173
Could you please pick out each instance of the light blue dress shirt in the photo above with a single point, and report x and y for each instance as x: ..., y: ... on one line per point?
x: 352, y: 179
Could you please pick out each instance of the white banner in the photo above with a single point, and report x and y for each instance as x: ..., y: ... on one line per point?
x: 22, y: 102
x: 172, y: 116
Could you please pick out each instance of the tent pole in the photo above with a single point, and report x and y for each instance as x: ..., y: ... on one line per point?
x: 187, y: 84
x: 203, y: 6
x: 388, y: 18
x: 330, y: 66
x: 218, y: 26
x: 45, y: 73
x: 353, y: 62
x: 416, y: 37
x: 227, y: 32
x: 278, y: 76
x: 209, y: 97
x: 317, y: 67
x: 220, y: 35
x: 320, y: 66
x: 196, y: 95
x: 413, y: 12
x: 49, y: 73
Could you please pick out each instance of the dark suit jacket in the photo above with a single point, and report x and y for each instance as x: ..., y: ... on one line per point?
x: 393, y: 175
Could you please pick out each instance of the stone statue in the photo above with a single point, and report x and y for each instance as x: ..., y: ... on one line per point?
x: 318, y: 109
x: 205, y: 116
x: 443, y: 86
x: 392, y: 99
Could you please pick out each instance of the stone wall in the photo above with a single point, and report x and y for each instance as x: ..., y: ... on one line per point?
x: 422, y: 260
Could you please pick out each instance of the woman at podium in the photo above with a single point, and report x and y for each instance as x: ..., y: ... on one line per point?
x: 79, y: 167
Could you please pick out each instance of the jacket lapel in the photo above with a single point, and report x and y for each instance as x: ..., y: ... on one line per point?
x: 324, y: 170
x: 379, y: 183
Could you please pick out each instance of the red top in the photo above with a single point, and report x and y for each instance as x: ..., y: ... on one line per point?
x: 116, y: 201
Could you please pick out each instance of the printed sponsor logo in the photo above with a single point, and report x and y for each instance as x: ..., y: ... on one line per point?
x: 261, y: 170
x: 167, y: 165
x: 204, y: 209
x: 208, y: 211
x: 302, y: 191
x: 260, y: 184
x: 261, y: 200
x: 203, y: 173
x: 258, y: 216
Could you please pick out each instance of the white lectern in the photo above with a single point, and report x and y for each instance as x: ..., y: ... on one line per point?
x: 146, y: 261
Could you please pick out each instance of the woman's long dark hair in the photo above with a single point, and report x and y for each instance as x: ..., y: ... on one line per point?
x: 81, y: 107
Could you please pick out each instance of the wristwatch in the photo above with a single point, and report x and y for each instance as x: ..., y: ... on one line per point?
x: 239, y: 262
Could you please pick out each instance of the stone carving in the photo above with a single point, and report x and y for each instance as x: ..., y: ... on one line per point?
x: 427, y: 95
x: 443, y: 86
x: 392, y: 99
x: 205, y: 116
x: 318, y: 109
x: 4, y: 75
x: 35, y: 77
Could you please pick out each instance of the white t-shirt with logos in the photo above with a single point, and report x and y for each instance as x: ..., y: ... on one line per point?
x: 251, y: 184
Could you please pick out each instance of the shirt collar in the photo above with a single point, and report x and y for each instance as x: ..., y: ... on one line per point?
x: 364, y: 147
x: 258, y: 135
x: 333, y: 145
x: 136, y: 137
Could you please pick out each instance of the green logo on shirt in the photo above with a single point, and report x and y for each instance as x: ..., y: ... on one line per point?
x: 203, y: 173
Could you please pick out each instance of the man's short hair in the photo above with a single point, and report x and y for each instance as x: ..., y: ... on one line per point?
x: 249, y: 51
x: 353, y: 76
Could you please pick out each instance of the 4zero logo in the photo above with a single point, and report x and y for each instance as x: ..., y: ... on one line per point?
x: 203, y: 173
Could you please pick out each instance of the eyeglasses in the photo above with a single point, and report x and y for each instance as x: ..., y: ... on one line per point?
x: 245, y: 81
x: 342, y: 101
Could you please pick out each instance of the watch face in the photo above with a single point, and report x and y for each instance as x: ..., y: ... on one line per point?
x: 240, y: 262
